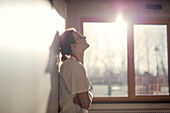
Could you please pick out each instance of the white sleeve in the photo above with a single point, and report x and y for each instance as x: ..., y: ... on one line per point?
x: 80, y: 82
x: 75, y: 78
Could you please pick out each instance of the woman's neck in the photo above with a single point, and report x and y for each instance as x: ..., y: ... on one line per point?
x: 79, y: 56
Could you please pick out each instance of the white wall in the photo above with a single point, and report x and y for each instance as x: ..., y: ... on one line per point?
x: 27, y: 29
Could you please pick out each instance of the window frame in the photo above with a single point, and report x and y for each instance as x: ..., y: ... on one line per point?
x: 130, y: 49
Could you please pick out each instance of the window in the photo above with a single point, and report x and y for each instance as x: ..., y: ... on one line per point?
x: 107, y: 58
x: 151, y: 59
x: 127, y: 61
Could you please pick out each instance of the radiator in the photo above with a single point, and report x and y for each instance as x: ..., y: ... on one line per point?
x: 130, y: 108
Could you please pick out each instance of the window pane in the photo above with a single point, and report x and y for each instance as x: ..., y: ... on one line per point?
x: 151, y: 60
x: 106, y: 58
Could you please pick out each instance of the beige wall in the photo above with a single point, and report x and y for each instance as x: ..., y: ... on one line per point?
x: 109, y: 9
x: 60, y: 7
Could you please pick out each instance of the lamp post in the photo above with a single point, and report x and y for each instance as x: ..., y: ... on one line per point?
x: 157, y: 66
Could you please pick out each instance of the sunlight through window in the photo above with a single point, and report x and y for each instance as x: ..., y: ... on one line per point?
x: 107, y: 57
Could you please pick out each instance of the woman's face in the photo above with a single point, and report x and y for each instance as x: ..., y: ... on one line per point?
x: 80, y: 41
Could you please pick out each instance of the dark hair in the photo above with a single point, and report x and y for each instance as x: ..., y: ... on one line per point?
x: 66, y: 39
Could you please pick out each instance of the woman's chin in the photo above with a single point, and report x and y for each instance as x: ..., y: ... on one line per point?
x: 87, y: 45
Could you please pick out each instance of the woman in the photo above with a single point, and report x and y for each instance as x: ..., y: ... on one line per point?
x: 74, y: 90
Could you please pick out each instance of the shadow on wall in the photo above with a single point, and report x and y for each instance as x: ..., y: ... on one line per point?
x: 52, y: 68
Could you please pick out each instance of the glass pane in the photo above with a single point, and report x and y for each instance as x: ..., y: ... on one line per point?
x: 151, y: 60
x: 106, y: 58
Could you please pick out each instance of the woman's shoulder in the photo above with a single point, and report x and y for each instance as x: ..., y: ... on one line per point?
x: 71, y: 62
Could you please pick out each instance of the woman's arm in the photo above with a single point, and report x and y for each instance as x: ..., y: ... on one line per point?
x: 85, y: 99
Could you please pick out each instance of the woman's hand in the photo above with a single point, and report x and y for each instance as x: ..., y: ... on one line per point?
x: 76, y: 100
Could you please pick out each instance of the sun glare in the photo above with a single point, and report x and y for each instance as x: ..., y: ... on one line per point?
x: 118, y: 32
x: 119, y: 19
